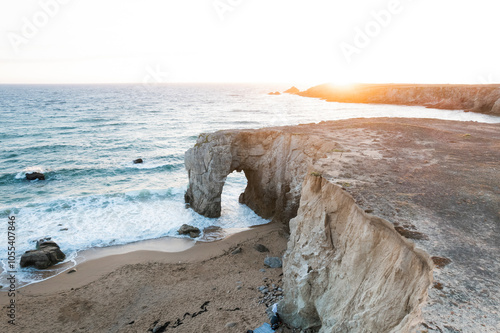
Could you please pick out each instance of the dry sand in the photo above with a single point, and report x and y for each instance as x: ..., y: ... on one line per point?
x: 139, y: 291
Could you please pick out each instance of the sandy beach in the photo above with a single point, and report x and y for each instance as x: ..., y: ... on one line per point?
x: 138, y: 291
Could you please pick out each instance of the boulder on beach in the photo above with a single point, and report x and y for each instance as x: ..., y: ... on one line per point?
x: 273, y: 262
x: 187, y: 229
x: 138, y: 161
x: 292, y: 90
x: 35, y: 175
x: 47, y: 253
x: 260, y: 248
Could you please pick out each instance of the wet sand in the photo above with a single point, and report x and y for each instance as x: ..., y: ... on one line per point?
x: 137, y: 291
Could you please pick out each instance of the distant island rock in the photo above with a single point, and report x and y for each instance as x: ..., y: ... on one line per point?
x: 275, y: 93
x: 292, y: 90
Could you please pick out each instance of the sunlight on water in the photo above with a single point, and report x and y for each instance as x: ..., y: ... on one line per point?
x: 84, y: 139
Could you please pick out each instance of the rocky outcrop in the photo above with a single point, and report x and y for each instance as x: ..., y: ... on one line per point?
x: 35, y: 176
x: 274, y: 162
x: 46, y: 254
x: 292, y: 90
x: 433, y: 181
x: 186, y: 229
x: 475, y: 98
x: 348, y: 271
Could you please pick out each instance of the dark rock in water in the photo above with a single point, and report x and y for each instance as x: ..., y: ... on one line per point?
x: 35, y: 175
x: 273, y: 262
x: 292, y: 90
x: 440, y: 262
x: 260, y: 248
x: 138, y: 161
x: 186, y: 229
x: 47, y: 253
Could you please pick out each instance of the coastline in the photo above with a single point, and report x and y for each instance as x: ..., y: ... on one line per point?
x: 393, y: 168
x: 208, y: 267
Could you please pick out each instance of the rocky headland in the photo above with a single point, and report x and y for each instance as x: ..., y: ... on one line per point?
x: 479, y: 98
x: 394, y: 223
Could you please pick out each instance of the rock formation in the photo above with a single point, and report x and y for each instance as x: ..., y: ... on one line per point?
x: 47, y: 253
x: 274, y: 162
x: 346, y: 270
x: 292, y: 90
x: 476, y: 98
x: 186, y: 229
x: 35, y: 175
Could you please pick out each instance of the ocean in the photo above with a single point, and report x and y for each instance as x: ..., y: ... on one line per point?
x: 84, y: 138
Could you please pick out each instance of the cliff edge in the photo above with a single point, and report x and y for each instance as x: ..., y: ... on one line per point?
x: 476, y: 98
x: 359, y: 194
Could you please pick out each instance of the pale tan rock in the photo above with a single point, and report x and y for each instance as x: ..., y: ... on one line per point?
x: 347, y: 271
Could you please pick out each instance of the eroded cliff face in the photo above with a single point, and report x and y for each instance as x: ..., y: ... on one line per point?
x: 348, y: 271
x: 274, y: 162
x: 475, y: 98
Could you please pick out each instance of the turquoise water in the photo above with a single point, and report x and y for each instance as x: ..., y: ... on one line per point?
x: 84, y: 138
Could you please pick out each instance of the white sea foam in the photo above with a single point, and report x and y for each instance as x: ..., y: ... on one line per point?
x: 87, y: 146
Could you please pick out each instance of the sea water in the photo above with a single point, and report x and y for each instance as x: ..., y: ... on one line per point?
x: 84, y: 138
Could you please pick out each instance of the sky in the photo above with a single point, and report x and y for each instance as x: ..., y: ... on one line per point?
x: 278, y: 41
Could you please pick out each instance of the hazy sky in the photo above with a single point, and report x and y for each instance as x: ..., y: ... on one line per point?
x: 309, y: 42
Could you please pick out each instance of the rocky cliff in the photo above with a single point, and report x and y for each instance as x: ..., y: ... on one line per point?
x: 475, y: 98
x: 349, y: 271
x: 274, y: 162
x: 364, y: 187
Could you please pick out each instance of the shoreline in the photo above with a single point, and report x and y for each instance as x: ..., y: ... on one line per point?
x: 167, y: 244
x: 94, y: 263
x: 213, y: 286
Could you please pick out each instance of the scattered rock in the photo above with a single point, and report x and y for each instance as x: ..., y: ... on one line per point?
x: 73, y: 270
x: 237, y: 250
x: 42, y: 240
x: 47, y: 253
x: 273, y: 262
x: 438, y: 285
x: 260, y: 248
x: 231, y: 324
x: 35, y: 175
x: 262, y: 270
x: 440, y: 262
x: 292, y: 90
x: 138, y: 161
x: 186, y: 229
x: 411, y: 234
x: 368, y: 211
x: 484, y: 293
